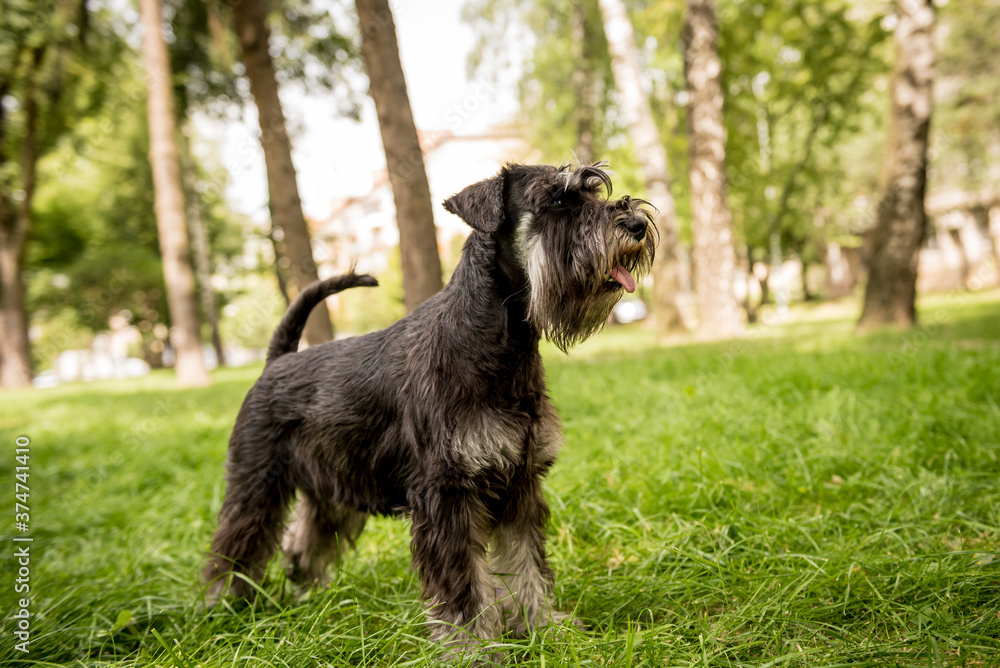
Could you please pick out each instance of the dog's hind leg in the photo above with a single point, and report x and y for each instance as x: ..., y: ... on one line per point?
x: 318, y: 535
x: 252, y: 515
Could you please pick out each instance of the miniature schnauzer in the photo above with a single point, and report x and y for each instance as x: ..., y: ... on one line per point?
x: 444, y: 415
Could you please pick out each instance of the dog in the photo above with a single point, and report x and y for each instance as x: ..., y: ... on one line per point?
x: 443, y: 416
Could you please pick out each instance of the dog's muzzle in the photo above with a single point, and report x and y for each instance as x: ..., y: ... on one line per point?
x: 636, y: 226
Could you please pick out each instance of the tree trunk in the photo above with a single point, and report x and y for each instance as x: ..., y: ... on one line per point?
x: 583, y: 76
x: 765, y: 285
x: 993, y: 233
x: 749, y: 307
x: 15, y: 226
x: 15, y: 352
x: 652, y: 156
x: 201, y: 247
x: 169, y: 202
x: 965, y: 266
x: 804, y: 280
x: 280, y: 259
x: 890, y: 296
x: 286, y: 207
x: 719, y: 311
x: 403, y: 158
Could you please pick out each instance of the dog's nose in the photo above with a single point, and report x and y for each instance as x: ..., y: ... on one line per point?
x: 636, y: 226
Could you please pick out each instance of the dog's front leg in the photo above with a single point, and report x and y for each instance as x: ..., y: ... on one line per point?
x: 524, y: 579
x: 450, y: 534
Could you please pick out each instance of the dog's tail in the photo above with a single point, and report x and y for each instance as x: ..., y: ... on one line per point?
x: 286, y: 336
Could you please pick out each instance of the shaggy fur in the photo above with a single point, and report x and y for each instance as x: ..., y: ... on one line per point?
x: 443, y: 415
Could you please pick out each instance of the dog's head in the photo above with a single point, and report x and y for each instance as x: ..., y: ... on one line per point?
x: 573, y: 247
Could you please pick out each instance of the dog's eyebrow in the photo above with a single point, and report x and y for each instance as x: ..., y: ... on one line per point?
x: 593, y: 177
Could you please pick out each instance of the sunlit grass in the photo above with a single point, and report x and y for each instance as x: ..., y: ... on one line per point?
x: 803, y: 497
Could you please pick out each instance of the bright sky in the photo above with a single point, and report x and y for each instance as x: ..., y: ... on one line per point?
x: 336, y: 157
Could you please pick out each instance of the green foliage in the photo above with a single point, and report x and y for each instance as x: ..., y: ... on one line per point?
x: 551, y: 100
x: 203, y: 53
x: 804, y: 498
x: 316, y: 46
x: 798, y: 77
x: 58, y: 53
x: 312, y: 46
x: 59, y: 331
x: 95, y: 250
x: 253, y: 310
x: 806, y: 101
x: 548, y: 94
x: 658, y: 28
x: 967, y: 117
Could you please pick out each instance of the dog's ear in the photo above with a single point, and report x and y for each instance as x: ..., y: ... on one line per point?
x: 480, y: 205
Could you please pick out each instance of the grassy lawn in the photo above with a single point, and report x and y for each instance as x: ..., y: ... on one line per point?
x: 803, y: 497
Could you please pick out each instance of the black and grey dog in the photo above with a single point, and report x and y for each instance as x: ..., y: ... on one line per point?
x: 443, y: 415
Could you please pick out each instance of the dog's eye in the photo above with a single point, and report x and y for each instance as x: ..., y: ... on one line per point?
x: 557, y: 203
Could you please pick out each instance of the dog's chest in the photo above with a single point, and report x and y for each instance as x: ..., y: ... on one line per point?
x: 499, y: 439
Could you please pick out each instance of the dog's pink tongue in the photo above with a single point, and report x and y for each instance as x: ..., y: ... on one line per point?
x: 621, y: 275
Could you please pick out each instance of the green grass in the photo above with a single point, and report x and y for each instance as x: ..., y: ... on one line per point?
x: 803, y: 497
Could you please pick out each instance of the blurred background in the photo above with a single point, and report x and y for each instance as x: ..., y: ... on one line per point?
x: 172, y: 172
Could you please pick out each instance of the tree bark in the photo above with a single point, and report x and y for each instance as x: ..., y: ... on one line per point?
x: 719, y: 311
x: 15, y: 226
x: 169, y: 202
x: 804, y: 281
x: 252, y: 32
x: 403, y: 157
x: 993, y: 233
x: 280, y: 259
x: 15, y: 353
x: 890, y: 296
x: 652, y: 156
x: 201, y: 247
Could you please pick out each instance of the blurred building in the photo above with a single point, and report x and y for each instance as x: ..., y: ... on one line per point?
x: 962, y: 249
x: 106, y: 359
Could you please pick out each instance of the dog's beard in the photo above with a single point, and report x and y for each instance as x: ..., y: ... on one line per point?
x: 570, y: 304
x: 567, y: 322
